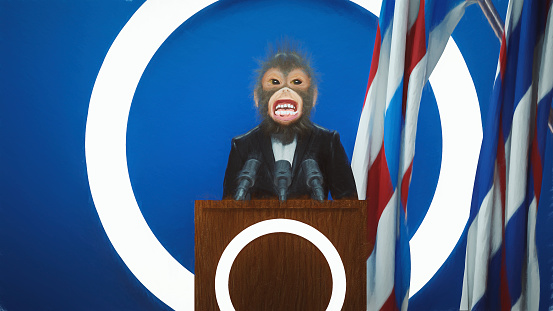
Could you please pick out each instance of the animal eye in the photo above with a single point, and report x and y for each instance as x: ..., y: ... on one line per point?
x: 275, y: 82
x: 296, y: 81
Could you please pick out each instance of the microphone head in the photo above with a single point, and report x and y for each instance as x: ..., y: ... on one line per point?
x: 249, y: 171
x: 246, y: 178
x: 314, y: 179
x: 312, y: 171
x: 283, y: 178
x: 283, y: 171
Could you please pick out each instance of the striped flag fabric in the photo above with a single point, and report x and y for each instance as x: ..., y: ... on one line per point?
x: 501, y: 266
x: 410, y: 38
x: 544, y: 216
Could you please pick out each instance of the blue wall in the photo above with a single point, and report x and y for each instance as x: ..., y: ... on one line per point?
x: 193, y: 97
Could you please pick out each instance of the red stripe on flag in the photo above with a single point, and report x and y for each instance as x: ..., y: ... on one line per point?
x: 502, y: 168
x: 505, y: 300
x: 390, y: 304
x: 374, y: 61
x: 503, y: 57
x: 405, y: 182
x: 537, y: 169
x: 415, y: 49
x: 379, y: 192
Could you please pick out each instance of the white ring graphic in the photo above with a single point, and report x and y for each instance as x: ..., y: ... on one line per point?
x: 286, y: 226
x: 125, y: 226
x: 449, y: 211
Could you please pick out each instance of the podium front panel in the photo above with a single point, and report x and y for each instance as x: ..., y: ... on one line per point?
x: 280, y: 271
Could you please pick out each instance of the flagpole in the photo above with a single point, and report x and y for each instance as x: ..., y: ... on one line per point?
x: 493, y: 17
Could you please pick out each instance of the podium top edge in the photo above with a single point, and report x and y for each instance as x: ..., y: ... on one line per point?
x: 290, y: 204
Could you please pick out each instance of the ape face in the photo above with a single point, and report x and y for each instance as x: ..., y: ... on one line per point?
x: 285, y: 93
x: 285, y: 105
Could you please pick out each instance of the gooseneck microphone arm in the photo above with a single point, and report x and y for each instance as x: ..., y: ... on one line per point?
x: 283, y: 178
x: 314, y: 179
x: 246, y: 179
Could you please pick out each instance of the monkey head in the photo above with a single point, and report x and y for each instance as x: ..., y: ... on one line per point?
x: 285, y: 93
x: 285, y: 106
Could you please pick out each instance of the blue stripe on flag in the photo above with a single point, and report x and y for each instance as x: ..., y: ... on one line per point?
x: 527, y: 44
x: 542, y: 118
x: 509, y: 80
x: 493, y: 284
x: 386, y: 15
x: 392, y: 133
x: 437, y: 10
x: 544, y: 230
x: 488, y: 152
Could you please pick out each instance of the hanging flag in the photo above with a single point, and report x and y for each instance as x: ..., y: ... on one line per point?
x: 544, y: 215
x: 501, y: 266
x: 410, y: 38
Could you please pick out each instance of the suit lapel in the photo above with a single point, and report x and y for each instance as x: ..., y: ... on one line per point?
x: 267, y: 152
x: 303, y: 142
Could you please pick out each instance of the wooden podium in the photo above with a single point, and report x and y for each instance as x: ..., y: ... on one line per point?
x: 280, y: 271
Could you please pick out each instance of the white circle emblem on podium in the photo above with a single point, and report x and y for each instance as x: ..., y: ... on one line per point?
x: 277, y: 226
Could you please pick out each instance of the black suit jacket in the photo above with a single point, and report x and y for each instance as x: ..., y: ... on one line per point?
x: 320, y: 144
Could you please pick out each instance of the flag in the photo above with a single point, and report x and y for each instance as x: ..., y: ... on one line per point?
x: 544, y: 219
x: 544, y: 216
x: 410, y: 38
x: 501, y: 266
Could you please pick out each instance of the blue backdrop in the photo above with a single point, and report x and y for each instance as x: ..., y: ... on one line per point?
x: 193, y: 97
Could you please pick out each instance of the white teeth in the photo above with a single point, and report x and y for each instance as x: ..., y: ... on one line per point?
x: 285, y: 106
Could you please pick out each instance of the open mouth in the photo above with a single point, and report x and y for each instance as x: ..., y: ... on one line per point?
x: 285, y: 108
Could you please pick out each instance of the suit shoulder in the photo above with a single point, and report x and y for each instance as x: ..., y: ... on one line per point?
x: 247, y: 136
x: 321, y: 131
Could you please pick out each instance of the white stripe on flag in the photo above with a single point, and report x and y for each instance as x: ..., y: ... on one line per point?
x: 516, y: 14
x: 382, y: 266
x: 438, y: 37
x: 518, y: 162
x: 413, y: 13
x: 370, y: 132
x: 533, y: 283
x: 397, y: 50
x: 483, y: 242
x: 517, y: 305
x: 414, y: 93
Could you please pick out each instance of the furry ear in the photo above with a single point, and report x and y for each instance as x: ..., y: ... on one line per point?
x: 315, y: 93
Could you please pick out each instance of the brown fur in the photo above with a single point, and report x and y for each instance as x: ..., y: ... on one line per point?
x: 286, y: 58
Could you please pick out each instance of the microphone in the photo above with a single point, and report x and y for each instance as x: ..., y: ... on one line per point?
x: 314, y: 179
x: 246, y: 178
x: 283, y: 178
